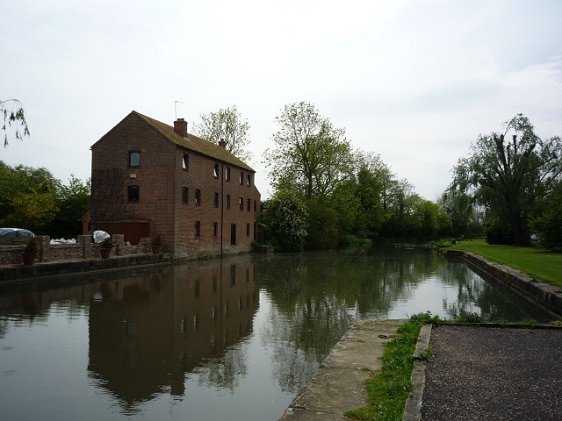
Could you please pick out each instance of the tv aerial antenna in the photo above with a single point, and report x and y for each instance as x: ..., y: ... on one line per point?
x: 176, y: 108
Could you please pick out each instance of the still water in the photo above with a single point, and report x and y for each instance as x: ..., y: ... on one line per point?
x: 222, y: 340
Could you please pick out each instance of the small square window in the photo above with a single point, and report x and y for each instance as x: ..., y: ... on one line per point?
x: 198, y: 197
x: 228, y: 201
x: 133, y: 193
x: 216, y: 200
x: 216, y: 171
x: 197, y: 229
x: 184, y: 194
x: 185, y: 162
x: 134, y: 159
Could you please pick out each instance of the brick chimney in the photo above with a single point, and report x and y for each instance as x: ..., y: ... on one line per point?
x: 222, y: 143
x: 180, y: 127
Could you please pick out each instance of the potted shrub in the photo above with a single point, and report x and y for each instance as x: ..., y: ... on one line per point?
x: 30, y: 252
x: 105, y: 248
x: 156, y: 245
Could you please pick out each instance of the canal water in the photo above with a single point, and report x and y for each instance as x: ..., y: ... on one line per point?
x: 220, y: 340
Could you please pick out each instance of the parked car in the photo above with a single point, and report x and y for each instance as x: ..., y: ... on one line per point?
x: 15, y: 236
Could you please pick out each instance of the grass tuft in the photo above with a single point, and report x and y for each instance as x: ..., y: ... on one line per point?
x: 388, y: 388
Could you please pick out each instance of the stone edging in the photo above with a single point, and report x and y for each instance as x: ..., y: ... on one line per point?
x: 545, y: 295
x: 412, y: 409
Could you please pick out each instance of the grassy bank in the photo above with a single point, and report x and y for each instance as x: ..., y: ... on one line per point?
x: 388, y: 388
x: 538, y: 262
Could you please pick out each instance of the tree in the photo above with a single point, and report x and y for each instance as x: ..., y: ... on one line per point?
x: 21, y: 180
x: 509, y: 175
x: 73, y: 202
x: 462, y: 211
x: 548, y: 222
x: 13, y: 116
x: 226, y: 124
x: 310, y: 154
x: 34, y: 209
x: 283, y: 219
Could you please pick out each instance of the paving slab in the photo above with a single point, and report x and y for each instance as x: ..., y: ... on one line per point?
x: 338, y: 385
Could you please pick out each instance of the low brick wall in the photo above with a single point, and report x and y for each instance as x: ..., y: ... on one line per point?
x: 82, y: 249
x: 545, y: 295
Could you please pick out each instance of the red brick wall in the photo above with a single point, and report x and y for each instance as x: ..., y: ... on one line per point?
x: 160, y: 178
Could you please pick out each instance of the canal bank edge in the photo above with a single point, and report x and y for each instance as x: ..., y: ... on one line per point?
x: 548, y: 297
x: 339, y: 384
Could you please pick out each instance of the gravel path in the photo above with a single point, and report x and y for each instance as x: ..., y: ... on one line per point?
x: 493, y: 373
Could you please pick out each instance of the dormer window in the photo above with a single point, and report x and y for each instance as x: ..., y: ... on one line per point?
x: 134, y: 159
x: 185, y: 162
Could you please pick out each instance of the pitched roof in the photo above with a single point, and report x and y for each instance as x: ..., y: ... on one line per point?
x: 195, y: 144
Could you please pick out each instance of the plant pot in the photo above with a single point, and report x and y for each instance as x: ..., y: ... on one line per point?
x: 105, y: 252
x: 29, y: 258
x: 156, y: 249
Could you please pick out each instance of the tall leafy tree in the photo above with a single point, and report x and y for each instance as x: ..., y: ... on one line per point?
x: 283, y: 219
x: 229, y: 125
x: 13, y: 117
x: 310, y: 154
x: 508, y: 174
x: 73, y: 202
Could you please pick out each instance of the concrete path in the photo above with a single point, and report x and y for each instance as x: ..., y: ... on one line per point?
x: 338, y: 385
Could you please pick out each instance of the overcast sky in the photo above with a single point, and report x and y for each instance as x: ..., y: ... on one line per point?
x: 414, y: 81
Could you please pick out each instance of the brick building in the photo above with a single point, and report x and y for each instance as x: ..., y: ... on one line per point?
x: 150, y: 179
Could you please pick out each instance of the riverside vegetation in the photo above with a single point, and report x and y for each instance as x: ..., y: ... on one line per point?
x: 388, y: 388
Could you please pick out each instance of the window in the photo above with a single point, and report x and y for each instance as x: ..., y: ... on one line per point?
x: 227, y: 174
x: 134, y: 159
x: 228, y: 201
x: 215, y: 228
x: 185, y: 195
x: 241, y: 178
x: 133, y: 193
x: 216, y: 171
x: 241, y: 203
x: 248, y: 204
x: 249, y: 180
x: 247, y: 230
x: 197, y: 229
x: 216, y: 200
x: 185, y: 162
x: 198, y: 197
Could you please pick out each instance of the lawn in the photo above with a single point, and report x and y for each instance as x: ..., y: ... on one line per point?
x: 538, y: 262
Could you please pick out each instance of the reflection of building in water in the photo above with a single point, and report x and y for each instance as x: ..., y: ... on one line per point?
x: 145, y: 335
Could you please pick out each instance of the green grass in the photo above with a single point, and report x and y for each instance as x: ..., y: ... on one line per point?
x: 538, y: 262
x: 388, y: 388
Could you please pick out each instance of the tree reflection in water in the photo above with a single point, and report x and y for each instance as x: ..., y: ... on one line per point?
x: 214, y: 333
